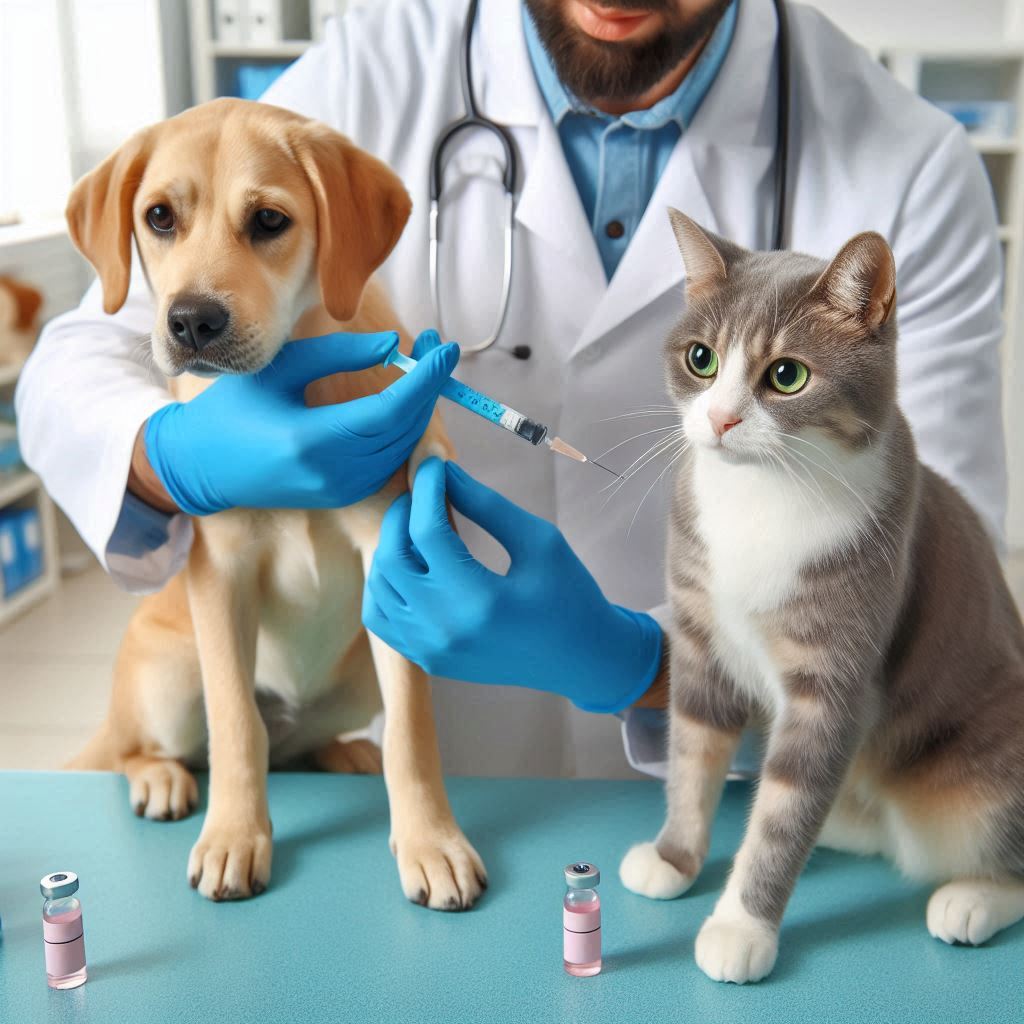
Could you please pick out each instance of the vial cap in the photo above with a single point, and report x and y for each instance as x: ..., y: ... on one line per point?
x: 58, y: 885
x: 581, y: 874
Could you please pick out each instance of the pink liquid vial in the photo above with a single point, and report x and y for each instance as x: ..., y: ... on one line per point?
x: 63, y: 933
x: 581, y: 921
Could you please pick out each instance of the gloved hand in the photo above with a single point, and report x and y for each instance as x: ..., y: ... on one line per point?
x: 251, y: 441
x: 544, y: 625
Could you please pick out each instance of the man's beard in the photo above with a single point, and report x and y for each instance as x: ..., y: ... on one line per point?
x: 593, y: 69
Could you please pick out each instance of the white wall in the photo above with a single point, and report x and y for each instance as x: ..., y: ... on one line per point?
x: 917, y: 22
x: 131, y: 67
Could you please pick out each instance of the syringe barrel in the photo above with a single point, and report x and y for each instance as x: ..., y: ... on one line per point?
x: 475, y: 401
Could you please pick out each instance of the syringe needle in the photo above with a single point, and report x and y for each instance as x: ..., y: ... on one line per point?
x: 594, y: 462
x: 564, y: 448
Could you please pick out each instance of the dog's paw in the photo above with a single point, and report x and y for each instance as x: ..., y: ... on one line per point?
x: 163, y: 791
x: 231, y: 861
x: 972, y: 911
x: 441, y: 871
x: 351, y: 757
x: 737, y: 951
x: 644, y: 871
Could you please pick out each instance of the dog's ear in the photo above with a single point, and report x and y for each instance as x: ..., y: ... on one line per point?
x: 99, y: 215
x: 361, y: 210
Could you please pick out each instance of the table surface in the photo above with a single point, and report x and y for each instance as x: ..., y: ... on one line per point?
x: 334, y: 940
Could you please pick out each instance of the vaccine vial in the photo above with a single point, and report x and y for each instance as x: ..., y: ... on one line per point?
x: 63, y: 933
x: 581, y: 920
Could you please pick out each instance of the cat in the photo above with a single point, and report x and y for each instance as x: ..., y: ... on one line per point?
x: 829, y: 586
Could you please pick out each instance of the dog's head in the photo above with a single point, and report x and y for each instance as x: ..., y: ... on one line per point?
x: 245, y: 216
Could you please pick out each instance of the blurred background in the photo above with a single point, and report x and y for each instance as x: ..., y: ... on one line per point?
x: 78, y: 76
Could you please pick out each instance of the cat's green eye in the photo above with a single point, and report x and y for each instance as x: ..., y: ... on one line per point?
x: 788, y: 376
x: 703, y: 361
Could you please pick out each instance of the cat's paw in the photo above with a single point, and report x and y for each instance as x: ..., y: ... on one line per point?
x: 737, y: 951
x: 644, y: 871
x: 971, y: 911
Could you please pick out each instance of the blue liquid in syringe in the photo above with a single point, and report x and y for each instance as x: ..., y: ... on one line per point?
x: 475, y: 401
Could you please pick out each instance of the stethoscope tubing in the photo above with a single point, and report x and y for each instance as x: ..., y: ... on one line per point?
x: 473, y: 119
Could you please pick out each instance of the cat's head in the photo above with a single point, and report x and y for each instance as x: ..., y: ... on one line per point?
x: 780, y: 345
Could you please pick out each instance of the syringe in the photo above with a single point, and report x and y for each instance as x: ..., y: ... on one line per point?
x: 495, y: 412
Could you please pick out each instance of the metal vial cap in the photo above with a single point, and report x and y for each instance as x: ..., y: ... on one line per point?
x: 581, y: 874
x: 58, y: 885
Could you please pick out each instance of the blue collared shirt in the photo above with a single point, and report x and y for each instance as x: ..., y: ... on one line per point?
x: 616, y: 161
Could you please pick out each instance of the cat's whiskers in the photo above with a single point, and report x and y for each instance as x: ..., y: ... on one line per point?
x: 638, y: 413
x: 645, y: 433
x: 683, y: 446
x: 637, y: 464
x: 658, y: 448
x: 867, y: 629
x: 886, y: 545
x: 818, y: 448
x: 801, y: 485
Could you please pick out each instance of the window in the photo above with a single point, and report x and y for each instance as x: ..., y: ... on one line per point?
x: 35, y: 161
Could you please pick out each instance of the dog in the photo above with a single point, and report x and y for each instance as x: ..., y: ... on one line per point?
x: 282, y: 662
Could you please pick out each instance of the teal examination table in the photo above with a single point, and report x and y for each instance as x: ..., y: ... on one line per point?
x: 334, y: 940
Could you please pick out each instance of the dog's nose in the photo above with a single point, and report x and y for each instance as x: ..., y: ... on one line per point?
x: 197, y: 322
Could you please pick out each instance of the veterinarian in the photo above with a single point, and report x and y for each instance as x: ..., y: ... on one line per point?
x: 651, y: 104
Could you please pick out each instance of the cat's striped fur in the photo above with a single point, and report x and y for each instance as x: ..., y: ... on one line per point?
x: 827, y: 585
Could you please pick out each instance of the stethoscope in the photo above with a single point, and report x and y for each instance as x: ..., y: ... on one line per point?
x: 474, y: 119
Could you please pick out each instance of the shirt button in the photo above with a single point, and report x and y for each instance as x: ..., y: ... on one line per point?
x: 614, y: 229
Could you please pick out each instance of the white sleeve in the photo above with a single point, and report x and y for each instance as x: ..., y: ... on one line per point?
x: 949, y: 294
x: 85, y: 391
x: 312, y: 85
x: 645, y: 731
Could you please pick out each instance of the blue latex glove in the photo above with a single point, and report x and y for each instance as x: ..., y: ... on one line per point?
x: 252, y: 442
x: 544, y: 625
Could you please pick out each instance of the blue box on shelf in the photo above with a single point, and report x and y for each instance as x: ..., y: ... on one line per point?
x: 21, y: 549
x: 30, y: 543
x: 995, y: 118
x: 253, y: 80
x: 10, y: 456
x: 10, y: 563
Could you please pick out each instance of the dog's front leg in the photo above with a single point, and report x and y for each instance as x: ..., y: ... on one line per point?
x: 231, y: 859
x: 436, y: 863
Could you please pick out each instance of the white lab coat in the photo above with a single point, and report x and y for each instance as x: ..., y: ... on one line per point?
x: 865, y: 154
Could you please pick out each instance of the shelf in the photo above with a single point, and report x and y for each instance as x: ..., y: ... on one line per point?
x: 25, y: 598
x: 15, y: 486
x: 994, y: 145
x: 287, y: 50
x: 994, y: 50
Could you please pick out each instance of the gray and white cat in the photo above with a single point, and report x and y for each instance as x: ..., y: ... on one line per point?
x: 827, y: 585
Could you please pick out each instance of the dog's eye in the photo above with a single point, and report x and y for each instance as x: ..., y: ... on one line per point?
x: 270, y: 222
x: 160, y: 218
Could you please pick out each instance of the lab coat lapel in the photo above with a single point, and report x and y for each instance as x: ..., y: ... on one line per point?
x: 652, y: 264
x: 550, y: 206
x: 714, y: 174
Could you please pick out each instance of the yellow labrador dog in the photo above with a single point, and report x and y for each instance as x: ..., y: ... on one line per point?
x: 281, y: 661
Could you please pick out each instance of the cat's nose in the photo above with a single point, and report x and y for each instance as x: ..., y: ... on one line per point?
x: 721, y: 422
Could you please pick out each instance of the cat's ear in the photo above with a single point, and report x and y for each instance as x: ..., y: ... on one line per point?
x: 861, y: 281
x: 705, y: 256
